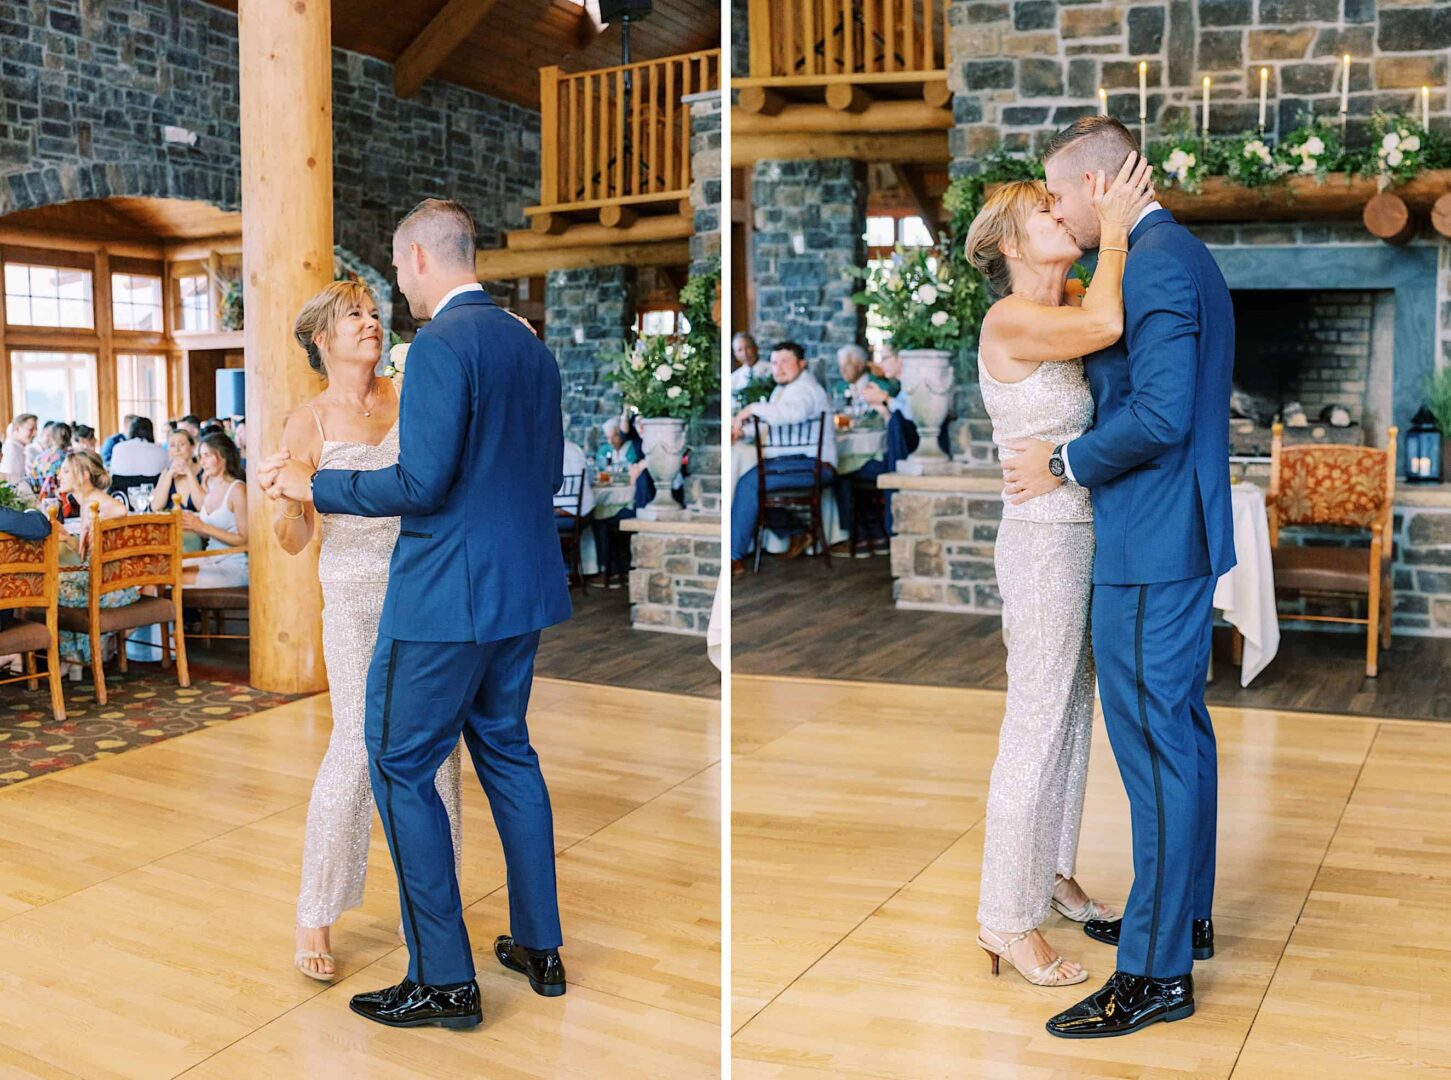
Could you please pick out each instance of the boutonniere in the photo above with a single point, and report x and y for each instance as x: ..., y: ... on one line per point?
x: 397, y: 360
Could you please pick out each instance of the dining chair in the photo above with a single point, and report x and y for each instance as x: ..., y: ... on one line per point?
x: 794, y: 501
x: 1347, y: 486
x: 135, y: 551
x: 215, y: 603
x: 30, y: 587
x: 569, y: 540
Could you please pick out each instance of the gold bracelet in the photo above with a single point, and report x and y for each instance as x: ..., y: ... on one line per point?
x: 301, y: 510
x: 1103, y: 249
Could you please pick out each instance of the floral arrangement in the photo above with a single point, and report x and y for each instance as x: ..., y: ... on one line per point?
x: 662, y: 377
x: 10, y: 498
x: 1401, y: 148
x: 754, y: 391
x: 1183, y: 160
x: 1252, y: 163
x: 918, y: 296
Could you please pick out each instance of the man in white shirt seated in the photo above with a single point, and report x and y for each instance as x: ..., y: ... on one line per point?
x: 21, y: 435
x: 576, y: 467
x: 797, y: 399
x: 748, y: 364
x: 140, y: 456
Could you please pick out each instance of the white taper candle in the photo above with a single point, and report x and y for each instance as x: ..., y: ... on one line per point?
x: 1205, y: 110
x: 1264, y: 91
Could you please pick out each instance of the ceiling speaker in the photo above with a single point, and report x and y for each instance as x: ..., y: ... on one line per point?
x: 612, y: 10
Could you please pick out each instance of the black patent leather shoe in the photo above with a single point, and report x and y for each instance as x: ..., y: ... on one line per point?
x: 411, y: 1004
x: 1125, y: 1004
x: 544, y: 968
x: 1106, y: 931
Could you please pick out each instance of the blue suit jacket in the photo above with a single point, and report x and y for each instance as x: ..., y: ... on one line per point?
x: 481, y: 456
x: 1156, y: 461
x: 25, y: 524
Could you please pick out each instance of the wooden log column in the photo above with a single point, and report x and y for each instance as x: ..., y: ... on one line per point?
x: 285, y: 75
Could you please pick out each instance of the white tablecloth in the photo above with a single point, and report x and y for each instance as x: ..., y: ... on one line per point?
x: 1246, y: 594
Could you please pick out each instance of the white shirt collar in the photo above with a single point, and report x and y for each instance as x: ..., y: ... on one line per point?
x: 472, y: 287
x: 1145, y: 212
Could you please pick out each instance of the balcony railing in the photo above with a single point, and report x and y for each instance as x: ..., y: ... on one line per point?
x: 818, y: 41
x: 620, y: 136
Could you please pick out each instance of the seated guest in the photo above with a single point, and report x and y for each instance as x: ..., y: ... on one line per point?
x: 797, y: 398
x: 138, y: 457
x: 43, y: 470
x: 192, y: 424
x: 239, y: 436
x: 746, y: 362
x: 83, y: 478
x: 623, y: 449
x: 31, y: 524
x: 182, y: 475
x: 111, y: 443
x: 83, y: 437
x: 212, y: 427
x: 37, y: 446
x: 887, y: 358
x: 575, y: 464
x: 896, y: 410
x: 222, y: 519
x: 18, y: 437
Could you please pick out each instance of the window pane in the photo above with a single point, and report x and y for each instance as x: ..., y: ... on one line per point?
x: 915, y: 233
x: 141, y: 386
x: 136, y: 302
x: 55, y: 385
x: 196, y: 303
x: 881, y: 231
x: 48, y: 296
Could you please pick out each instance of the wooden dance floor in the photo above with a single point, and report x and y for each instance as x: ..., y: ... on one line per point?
x: 857, y: 843
x: 147, y: 910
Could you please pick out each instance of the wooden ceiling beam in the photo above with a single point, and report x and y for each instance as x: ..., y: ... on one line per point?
x: 917, y: 147
x: 444, y: 33
x: 505, y: 265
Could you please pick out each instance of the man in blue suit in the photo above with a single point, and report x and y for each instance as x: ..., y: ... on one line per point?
x: 25, y: 524
x: 1156, y: 463
x: 476, y: 574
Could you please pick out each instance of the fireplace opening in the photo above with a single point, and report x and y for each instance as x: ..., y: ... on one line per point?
x: 1318, y: 360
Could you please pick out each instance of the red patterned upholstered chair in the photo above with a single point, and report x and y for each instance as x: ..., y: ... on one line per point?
x: 131, y: 552
x: 1336, y: 485
x: 29, y: 586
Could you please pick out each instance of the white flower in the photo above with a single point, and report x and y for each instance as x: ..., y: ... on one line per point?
x: 894, y: 281
x: 944, y: 287
x: 927, y: 294
x: 1179, y: 163
x: 939, y: 318
x: 398, y: 356
x: 1394, y: 158
x: 1257, y: 149
x: 674, y: 392
x: 1412, y: 144
x: 1391, y: 141
x: 664, y: 373
x: 1308, y: 166
x: 1313, y: 146
x: 638, y: 363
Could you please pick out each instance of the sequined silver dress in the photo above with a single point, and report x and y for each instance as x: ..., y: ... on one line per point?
x: 1044, y: 557
x: 353, y: 567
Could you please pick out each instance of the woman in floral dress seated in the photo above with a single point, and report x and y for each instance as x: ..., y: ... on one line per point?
x: 83, y: 477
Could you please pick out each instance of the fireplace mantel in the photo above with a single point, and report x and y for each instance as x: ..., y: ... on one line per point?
x: 1297, y: 198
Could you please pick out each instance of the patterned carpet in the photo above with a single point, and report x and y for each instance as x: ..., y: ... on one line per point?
x: 145, y: 707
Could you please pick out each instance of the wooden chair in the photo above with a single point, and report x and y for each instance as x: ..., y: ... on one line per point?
x: 1336, y: 485
x: 573, y: 488
x: 30, y: 586
x: 135, y: 551
x: 805, y: 436
x: 215, y: 603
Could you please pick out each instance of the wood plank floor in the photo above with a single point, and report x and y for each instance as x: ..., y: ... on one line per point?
x: 856, y: 851
x: 598, y: 645
x: 147, y: 905
x: 800, y: 619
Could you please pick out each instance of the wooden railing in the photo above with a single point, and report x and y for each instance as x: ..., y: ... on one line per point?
x: 620, y: 135
x: 821, y: 40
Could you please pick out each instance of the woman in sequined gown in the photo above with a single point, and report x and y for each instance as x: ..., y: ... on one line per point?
x: 353, y: 424
x: 1033, y: 387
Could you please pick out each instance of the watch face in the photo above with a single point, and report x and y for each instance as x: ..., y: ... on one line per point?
x: 1055, y: 465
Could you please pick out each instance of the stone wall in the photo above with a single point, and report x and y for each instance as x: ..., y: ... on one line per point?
x: 86, y: 86
x: 703, y: 485
x: 810, y: 217
x: 942, y: 558
x: 1021, y: 69
x: 588, y: 313
x: 673, y: 580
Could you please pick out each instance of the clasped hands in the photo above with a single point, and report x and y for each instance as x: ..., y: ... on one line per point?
x: 284, y: 477
x: 1026, y: 476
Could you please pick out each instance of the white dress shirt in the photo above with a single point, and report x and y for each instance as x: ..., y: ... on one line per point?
x: 1145, y: 212
x: 137, y: 457
x: 472, y: 287
x: 12, y: 460
x: 795, y: 402
x: 574, y: 463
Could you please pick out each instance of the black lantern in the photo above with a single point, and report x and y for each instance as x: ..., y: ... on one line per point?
x: 1423, y: 449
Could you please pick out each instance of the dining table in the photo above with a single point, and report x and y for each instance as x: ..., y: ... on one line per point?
x: 1245, y: 595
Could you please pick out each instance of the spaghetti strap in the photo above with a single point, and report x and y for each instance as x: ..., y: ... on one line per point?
x: 318, y: 420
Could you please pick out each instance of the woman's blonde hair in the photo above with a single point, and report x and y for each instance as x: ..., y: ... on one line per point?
x: 1003, y: 222
x: 322, y: 313
x: 88, y: 463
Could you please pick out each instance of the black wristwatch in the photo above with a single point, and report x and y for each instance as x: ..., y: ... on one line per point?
x: 1055, y: 462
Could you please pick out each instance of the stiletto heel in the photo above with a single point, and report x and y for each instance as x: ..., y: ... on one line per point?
x: 1042, y: 975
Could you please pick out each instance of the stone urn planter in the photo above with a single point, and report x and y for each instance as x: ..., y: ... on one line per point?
x: 927, y: 378
x: 664, y: 440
